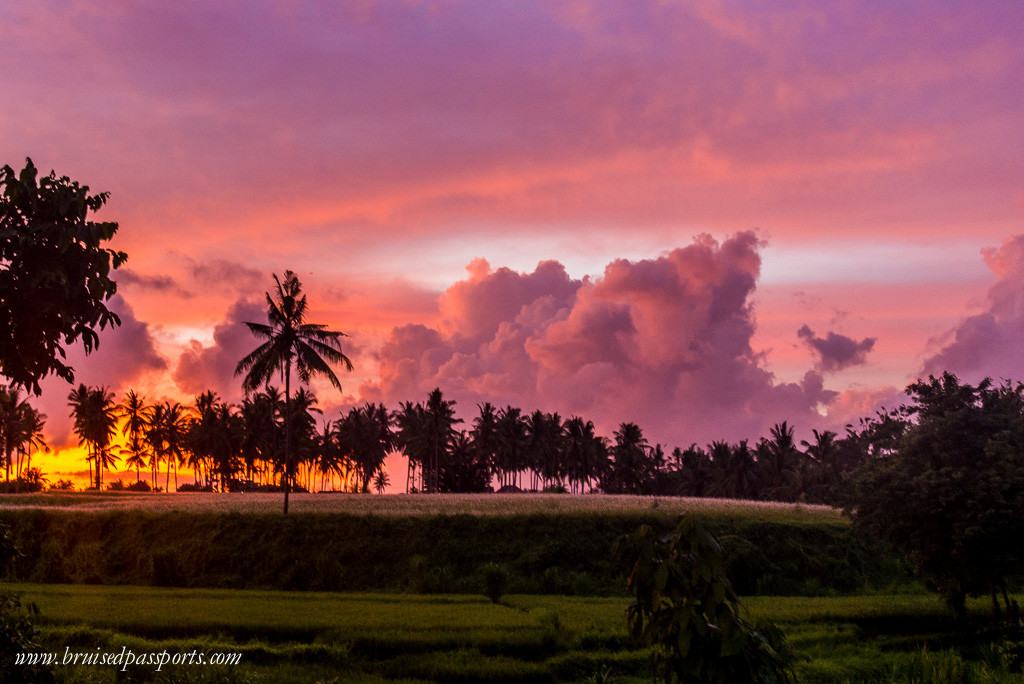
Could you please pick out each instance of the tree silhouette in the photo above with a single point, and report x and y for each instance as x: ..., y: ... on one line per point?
x: 137, y: 416
x: 512, y: 444
x: 95, y: 422
x: 12, y: 424
x: 54, y: 274
x: 290, y: 341
x: 364, y: 435
x: 167, y: 433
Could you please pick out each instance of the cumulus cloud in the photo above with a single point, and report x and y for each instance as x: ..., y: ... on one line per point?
x: 836, y: 351
x: 989, y: 344
x: 202, y: 368
x: 124, y: 355
x: 662, y: 342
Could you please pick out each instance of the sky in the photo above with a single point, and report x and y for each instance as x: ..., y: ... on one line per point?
x: 703, y: 217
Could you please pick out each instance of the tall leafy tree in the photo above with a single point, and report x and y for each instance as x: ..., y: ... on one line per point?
x: 950, y: 496
x: 55, y: 274
x: 290, y: 343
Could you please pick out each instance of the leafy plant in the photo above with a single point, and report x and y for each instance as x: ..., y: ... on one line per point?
x: 688, y: 613
x: 495, y: 581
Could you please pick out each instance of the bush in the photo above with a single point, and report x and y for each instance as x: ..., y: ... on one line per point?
x: 688, y: 613
x: 495, y: 581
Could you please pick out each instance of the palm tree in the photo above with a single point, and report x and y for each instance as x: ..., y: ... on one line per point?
x: 381, y: 481
x: 95, y: 415
x: 631, y: 470
x: 290, y: 340
x: 260, y: 438
x: 512, y: 444
x: 167, y: 434
x: 364, y: 435
x: 33, y: 423
x: 586, y: 454
x: 12, y: 419
x: 136, y: 417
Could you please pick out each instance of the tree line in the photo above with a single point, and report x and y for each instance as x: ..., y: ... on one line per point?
x: 232, y: 447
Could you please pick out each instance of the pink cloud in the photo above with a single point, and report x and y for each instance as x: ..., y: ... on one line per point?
x: 664, y: 342
x: 988, y: 344
x: 202, y: 368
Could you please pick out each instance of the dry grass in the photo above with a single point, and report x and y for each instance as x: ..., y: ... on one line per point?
x: 423, y: 504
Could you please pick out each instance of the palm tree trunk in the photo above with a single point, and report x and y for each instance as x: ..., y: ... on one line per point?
x: 287, y: 432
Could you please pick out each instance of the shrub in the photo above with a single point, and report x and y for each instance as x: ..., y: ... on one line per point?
x: 495, y: 581
x: 688, y: 613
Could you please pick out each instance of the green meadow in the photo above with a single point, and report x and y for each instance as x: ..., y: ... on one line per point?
x: 364, y: 637
x: 396, y: 594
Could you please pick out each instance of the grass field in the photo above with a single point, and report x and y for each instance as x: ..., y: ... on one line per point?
x: 423, y: 504
x: 306, y: 637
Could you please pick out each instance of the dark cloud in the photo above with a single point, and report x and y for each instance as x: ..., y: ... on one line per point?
x: 202, y: 368
x: 835, y: 351
x: 990, y: 344
x: 663, y: 342
x: 226, y: 274
x: 158, y: 283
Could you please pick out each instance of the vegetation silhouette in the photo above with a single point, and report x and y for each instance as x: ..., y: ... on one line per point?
x: 290, y: 340
x: 948, y: 490
x: 54, y: 274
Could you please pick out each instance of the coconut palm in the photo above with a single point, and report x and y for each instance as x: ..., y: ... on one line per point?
x: 310, y: 347
x: 95, y: 415
x: 12, y: 423
x: 364, y: 435
x: 32, y: 435
x: 512, y: 444
x: 586, y: 453
x: 167, y: 434
x: 137, y: 416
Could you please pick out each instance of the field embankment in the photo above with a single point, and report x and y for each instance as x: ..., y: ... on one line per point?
x: 548, y: 544
x: 422, y: 504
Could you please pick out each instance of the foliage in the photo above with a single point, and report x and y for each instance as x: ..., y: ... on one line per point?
x: 543, y: 553
x: 950, y: 495
x: 688, y: 613
x: 495, y: 581
x: 312, y: 636
x: 17, y: 632
x: 289, y: 340
x: 54, y: 274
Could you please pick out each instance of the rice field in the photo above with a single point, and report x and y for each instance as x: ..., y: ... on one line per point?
x: 423, y: 504
x: 380, y: 637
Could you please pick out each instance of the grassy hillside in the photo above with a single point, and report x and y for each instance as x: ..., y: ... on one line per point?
x: 795, y: 551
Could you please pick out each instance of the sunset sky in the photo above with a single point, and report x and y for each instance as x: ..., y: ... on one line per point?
x: 702, y: 217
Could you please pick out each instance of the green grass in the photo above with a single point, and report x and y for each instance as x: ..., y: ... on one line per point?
x: 299, y: 637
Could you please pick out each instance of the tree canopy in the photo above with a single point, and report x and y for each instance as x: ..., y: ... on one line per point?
x: 950, y: 493
x: 54, y: 274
